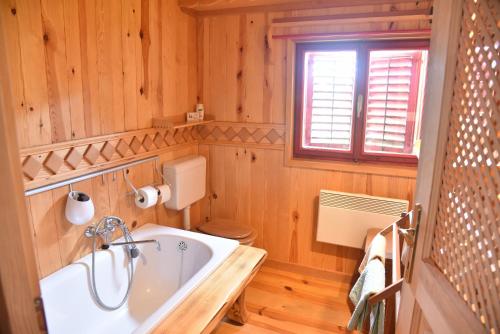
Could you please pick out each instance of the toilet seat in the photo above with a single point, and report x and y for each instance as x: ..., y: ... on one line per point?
x: 245, y: 235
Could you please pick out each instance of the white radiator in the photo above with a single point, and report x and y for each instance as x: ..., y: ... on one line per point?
x: 344, y: 218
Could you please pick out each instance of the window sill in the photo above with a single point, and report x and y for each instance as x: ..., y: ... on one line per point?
x: 354, y: 167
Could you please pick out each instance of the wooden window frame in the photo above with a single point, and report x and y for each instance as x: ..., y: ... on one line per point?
x: 356, y: 154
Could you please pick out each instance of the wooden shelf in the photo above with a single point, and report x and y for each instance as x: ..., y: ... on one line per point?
x: 189, y: 124
x: 178, y: 122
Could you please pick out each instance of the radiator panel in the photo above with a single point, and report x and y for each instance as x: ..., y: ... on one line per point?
x: 344, y: 218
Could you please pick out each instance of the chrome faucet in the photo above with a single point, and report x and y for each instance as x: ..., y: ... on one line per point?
x: 105, y: 228
x: 107, y: 245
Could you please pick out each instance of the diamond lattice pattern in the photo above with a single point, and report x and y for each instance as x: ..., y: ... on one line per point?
x: 466, y: 244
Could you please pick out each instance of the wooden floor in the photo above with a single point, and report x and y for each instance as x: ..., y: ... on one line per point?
x: 281, y: 301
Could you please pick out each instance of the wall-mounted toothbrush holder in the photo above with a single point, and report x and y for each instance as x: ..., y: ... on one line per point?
x: 79, y: 208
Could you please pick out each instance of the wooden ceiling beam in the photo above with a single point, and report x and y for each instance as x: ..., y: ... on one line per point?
x: 218, y: 7
x: 393, y: 16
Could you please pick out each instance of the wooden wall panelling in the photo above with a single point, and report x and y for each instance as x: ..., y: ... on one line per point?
x: 249, y: 66
x: 248, y: 181
x: 53, y: 27
x: 109, y: 65
x: 131, y: 18
x: 179, y: 72
x: 155, y: 85
x: 274, y: 75
x: 74, y: 68
x: 252, y: 32
x: 90, y: 74
x: 13, y: 55
x: 93, y: 67
x: 251, y: 186
x: 45, y: 232
x: 58, y: 243
x: 33, y: 62
x: 171, y: 65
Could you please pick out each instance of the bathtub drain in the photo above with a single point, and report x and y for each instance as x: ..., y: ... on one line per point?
x: 182, y: 246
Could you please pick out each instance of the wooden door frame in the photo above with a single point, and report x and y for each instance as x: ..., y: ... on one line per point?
x: 19, y: 286
x: 437, y: 291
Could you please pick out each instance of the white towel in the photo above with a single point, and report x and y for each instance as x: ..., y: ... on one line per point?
x: 376, y: 249
x: 371, y: 281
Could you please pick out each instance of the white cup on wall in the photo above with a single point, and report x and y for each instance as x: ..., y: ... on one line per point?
x: 79, y: 208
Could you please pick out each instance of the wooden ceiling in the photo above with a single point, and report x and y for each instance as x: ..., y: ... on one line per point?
x: 210, y: 7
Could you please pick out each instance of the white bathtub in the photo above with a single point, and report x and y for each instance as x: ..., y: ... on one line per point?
x: 162, y: 279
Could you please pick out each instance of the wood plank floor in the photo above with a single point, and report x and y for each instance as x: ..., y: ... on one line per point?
x: 282, y: 301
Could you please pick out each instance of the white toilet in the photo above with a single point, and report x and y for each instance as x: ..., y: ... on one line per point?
x: 187, y: 178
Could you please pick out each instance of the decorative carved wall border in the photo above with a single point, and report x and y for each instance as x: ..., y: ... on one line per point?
x: 46, y: 164
x: 270, y: 136
x: 55, y: 162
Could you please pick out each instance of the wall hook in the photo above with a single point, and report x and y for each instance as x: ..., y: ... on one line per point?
x: 157, y: 170
x: 127, y: 180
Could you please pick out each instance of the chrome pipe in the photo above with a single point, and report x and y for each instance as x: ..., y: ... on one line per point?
x: 127, y: 243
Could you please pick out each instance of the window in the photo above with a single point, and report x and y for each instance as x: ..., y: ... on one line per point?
x: 359, y: 101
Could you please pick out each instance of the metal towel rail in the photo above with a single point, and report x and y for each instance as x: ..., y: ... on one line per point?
x: 87, y: 176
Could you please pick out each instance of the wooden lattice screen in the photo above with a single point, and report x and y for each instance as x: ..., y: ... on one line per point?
x: 466, y: 245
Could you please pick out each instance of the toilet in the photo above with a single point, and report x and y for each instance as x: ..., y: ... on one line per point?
x: 246, y: 235
x: 187, y: 179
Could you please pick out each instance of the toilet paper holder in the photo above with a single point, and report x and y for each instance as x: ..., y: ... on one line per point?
x: 129, y: 183
x: 134, y: 189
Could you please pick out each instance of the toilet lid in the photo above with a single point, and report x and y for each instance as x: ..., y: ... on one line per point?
x: 226, y: 230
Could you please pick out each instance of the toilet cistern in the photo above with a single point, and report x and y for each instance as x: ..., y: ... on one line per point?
x: 187, y: 178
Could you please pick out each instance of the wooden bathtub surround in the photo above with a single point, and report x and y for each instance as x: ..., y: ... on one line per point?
x: 239, y: 312
x: 202, y: 311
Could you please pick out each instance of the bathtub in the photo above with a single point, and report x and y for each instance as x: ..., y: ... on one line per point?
x: 162, y: 280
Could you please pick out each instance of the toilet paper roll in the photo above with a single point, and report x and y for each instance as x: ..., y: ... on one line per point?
x: 164, y: 193
x: 146, y: 197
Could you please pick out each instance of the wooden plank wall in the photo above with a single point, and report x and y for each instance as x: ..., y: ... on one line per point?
x: 94, y: 67
x: 243, y: 79
x: 83, y: 68
x: 58, y: 242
